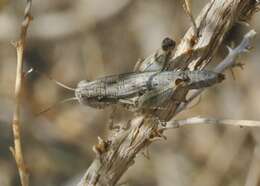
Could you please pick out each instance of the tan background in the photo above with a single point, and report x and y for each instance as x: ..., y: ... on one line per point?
x: 86, y: 39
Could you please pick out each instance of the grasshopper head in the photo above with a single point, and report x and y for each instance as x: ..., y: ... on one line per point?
x: 86, y: 94
x: 83, y: 92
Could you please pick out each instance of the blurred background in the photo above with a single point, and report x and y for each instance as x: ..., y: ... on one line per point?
x: 86, y: 39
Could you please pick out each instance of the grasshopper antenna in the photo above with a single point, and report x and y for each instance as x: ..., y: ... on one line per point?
x: 56, y: 104
x: 50, y: 78
x: 58, y: 83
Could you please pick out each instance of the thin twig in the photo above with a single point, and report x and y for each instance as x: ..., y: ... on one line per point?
x: 211, y: 121
x: 17, y: 149
x: 187, y: 9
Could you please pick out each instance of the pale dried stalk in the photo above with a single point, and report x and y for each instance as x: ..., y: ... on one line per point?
x: 187, y: 8
x: 116, y: 155
x: 210, y: 121
x: 17, y: 149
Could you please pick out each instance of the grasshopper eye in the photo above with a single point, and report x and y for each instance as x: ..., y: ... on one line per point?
x: 168, y: 44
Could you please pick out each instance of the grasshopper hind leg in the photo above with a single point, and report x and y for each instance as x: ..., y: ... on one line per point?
x: 162, y: 102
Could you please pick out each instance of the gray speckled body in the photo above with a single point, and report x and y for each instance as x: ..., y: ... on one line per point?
x: 126, y: 89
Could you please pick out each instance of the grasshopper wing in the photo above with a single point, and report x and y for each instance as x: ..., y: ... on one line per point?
x: 162, y: 102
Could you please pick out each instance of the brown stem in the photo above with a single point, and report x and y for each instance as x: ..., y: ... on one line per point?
x: 17, y: 149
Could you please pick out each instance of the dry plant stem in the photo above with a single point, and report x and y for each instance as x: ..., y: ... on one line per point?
x: 187, y: 8
x: 228, y: 62
x: 210, y: 120
x: 115, y: 156
x: 17, y: 149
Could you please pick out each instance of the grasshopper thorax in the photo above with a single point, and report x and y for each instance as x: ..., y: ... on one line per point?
x: 82, y: 92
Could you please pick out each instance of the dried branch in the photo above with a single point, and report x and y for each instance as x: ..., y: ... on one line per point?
x: 17, y: 149
x: 228, y: 62
x: 115, y: 155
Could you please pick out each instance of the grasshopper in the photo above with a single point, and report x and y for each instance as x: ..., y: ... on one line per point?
x: 147, y: 88
x: 137, y: 91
